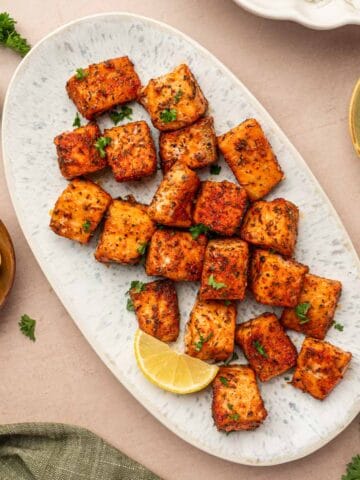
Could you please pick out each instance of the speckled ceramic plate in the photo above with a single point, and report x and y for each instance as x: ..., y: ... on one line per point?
x: 37, y: 108
x: 317, y: 14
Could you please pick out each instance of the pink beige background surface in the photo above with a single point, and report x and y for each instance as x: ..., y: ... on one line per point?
x: 304, y: 78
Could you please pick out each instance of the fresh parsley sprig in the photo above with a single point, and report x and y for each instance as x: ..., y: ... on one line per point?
x: 301, y: 310
x: 199, y: 345
x: 100, y: 145
x: 168, y: 115
x: 215, y: 169
x: 352, y: 469
x: 137, y: 286
x: 197, y: 230
x: 81, y: 74
x: 260, y: 348
x: 27, y: 326
x: 125, y: 112
x: 77, y: 121
x: 10, y: 38
x: 214, y: 284
x: 338, y: 326
x: 86, y: 226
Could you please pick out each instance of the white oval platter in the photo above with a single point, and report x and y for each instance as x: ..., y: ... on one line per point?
x: 317, y: 14
x: 37, y: 108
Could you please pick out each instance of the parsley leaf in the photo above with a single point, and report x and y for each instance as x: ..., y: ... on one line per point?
x: 198, y: 345
x: 81, y: 74
x: 234, y: 416
x: 137, y: 286
x: 232, y: 357
x: 77, y: 121
x: 352, y: 469
x: 178, y: 95
x: 27, y: 326
x: 142, y: 248
x: 86, y: 226
x: 168, y: 115
x: 230, y: 406
x: 214, y: 284
x: 338, y: 326
x: 197, y: 230
x: 224, y: 381
x: 100, y: 145
x: 10, y: 38
x: 260, y: 348
x: 286, y: 379
x: 129, y: 305
x: 125, y: 112
x: 215, y: 169
x: 301, y: 310
x: 227, y: 302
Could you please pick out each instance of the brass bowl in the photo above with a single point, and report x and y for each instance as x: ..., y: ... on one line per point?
x: 7, y: 264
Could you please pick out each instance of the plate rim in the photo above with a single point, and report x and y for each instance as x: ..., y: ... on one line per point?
x: 295, y: 16
x: 72, y: 310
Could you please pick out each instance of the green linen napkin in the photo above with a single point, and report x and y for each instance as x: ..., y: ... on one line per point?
x: 50, y: 451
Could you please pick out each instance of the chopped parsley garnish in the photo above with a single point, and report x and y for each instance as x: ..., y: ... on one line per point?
x: 142, y: 248
x: 234, y: 416
x: 117, y: 116
x: 224, y: 381
x: 215, y: 169
x: 168, y: 115
x: 214, y: 284
x: 129, y: 305
x: 338, y: 326
x: 260, y: 348
x: 301, y: 310
x: 227, y: 302
x: 27, y: 326
x: 178, y: 95
x: 230, y: 406
x: 137, y: 286
x: 86, y: 226
x: 232, y: 357
x: 77, y: 121
x: 286, y: 379
x: 10, y: 38
x: 198, y: 345
x: 81, y: 74
x: 100, y: 145
x: 352, y: 469
x: 197, y: 230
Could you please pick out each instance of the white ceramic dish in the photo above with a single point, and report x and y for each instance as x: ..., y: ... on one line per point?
x: 317, y: 14
x: 37, y: 108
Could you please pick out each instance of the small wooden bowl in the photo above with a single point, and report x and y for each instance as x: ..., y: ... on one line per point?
x: 7, y: 264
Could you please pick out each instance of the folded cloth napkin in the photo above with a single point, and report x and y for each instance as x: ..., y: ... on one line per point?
x: 50, y: 451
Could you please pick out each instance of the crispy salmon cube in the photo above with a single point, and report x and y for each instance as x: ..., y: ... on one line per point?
x: 320, y: 367
x: 194, y: 145
x: 131, y: 153
x: 157, y: 310
x: 210, y: 331
x: 79, y: 210
x: 268, y: 349
x: 102, y: 86
x: 275, y: 280
x: 272, y: 225
x: 237, y: 403
x: 220, y: 206
x: 224, y: 275
x: 320, y: 296
x: 174, y: 100
x: 76, y: 151
x: 172, y: 204
x: 176, y: 255
x: 250, y: 157
x: 127, y: 231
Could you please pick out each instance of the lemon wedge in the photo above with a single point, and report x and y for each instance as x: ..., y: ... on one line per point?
x: 169, y: 370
